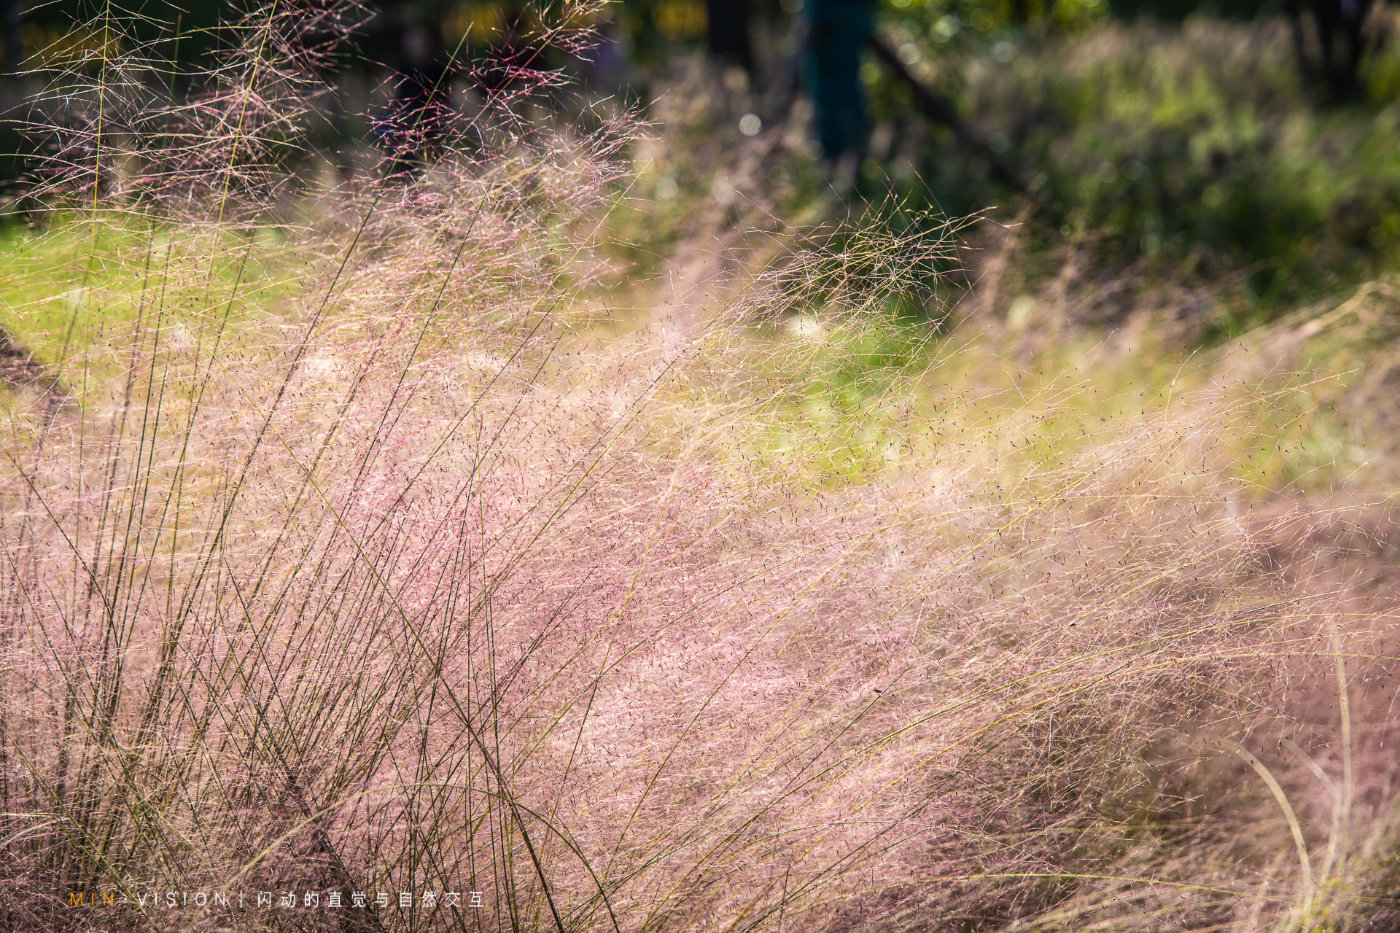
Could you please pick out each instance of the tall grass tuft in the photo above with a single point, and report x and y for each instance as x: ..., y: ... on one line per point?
x: 376, y: 549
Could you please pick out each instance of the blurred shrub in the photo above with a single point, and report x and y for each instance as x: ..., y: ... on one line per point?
x: 1190, y: 150
x: 943, y: 20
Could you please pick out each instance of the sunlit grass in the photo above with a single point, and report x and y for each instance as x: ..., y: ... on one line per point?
x: 380, y: 550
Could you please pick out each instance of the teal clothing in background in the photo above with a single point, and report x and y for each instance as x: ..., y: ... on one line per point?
x: 838, y: 30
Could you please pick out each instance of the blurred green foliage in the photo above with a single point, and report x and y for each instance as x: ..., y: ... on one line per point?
x: 948, y: 19
x: 1186, y: 151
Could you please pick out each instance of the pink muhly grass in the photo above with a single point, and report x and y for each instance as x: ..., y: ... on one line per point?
x: 366, y: 558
